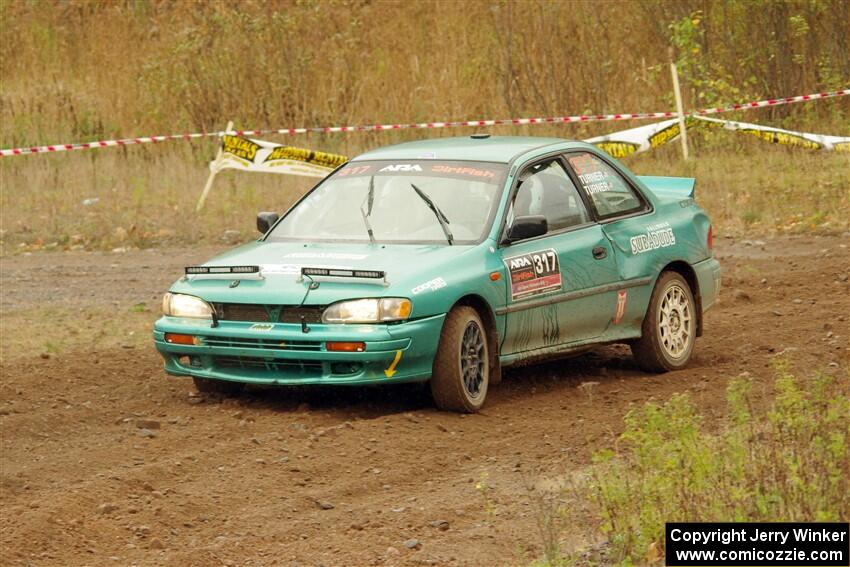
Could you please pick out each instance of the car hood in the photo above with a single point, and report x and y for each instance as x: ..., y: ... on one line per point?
x: 405, y: 265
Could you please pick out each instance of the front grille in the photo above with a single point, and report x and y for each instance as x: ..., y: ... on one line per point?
x: 258, y: 313
x: 242, y: 312
x: 280, y: 366
x: 270, y: 344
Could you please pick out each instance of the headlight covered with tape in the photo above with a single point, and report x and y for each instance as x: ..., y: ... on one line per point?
x: 181, y: 305
x: 381, y: 310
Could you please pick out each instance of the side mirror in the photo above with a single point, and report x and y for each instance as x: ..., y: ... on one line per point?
x: 528, y: 226
x: 265, y: 221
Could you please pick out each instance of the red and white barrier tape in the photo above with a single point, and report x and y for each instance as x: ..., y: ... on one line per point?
x: 334, y: 129
x: 771, y: 102
x: 421, y: 125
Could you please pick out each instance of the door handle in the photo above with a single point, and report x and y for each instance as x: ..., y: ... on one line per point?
x: 600, y: 252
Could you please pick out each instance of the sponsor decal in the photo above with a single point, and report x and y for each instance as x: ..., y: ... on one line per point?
x: 664, y: 135
x: 354, y: 170
x: 685, y: 203
x: 583, y: 163
x: 784, y: 138
x: 622, y: 298
x: 433, y: 285
x: 657, y: 236
x: 470, y: 171
x: 280, y: 269
x: 326, y: 255
x: 261, y: 327
x: 241, y: 148
x: 402, y: 167
x: 595, y: 182
x: 636, y: 140
x: 534, y: 273
x: 805, y: 140
x: 618, y: 149
x: 291, y: 153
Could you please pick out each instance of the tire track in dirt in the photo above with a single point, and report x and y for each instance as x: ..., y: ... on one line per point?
x: 342, y: 476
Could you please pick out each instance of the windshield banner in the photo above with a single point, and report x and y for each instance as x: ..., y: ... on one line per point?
x: 635, y: 140
x: 256, y: 155
x: 248, y: 154
x: 780, y: 136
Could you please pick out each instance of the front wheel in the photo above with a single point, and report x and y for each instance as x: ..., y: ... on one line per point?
x: 461, y: 372
x: 669, y: 328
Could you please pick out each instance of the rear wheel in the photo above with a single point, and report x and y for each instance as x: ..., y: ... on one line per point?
x: 669, y: 328
x: 220, y: 387
x: 461, y: 372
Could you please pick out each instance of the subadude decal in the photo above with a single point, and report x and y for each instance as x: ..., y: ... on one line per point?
x: 657, y: 236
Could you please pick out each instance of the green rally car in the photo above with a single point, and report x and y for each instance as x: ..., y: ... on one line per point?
x: 447, y: 260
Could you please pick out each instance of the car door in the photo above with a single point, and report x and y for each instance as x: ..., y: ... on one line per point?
x: 557, y: 282
x: 623, y: 212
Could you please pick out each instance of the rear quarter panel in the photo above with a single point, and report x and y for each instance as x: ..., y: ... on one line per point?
x: 675, y: 230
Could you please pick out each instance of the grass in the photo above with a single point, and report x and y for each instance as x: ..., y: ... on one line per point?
x: 90, y: 70
x: 144, y: 197
x: 785, y: 459
x: 57, y: 331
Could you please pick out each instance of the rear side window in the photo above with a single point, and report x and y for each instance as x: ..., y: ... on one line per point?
x: 605, y: 187
x: 546, y: 189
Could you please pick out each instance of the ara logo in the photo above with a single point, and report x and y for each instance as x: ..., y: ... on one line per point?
x: 402, y: 167
x: 520, y: 262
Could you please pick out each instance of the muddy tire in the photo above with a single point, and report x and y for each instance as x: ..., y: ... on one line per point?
x: 461, y: 372
x: 219, y: 387
x: 669, y: 327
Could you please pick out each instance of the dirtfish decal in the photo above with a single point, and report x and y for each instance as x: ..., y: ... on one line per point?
x: 657, y: 236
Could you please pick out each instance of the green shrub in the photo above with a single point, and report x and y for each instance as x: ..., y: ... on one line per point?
x: 788, y: 462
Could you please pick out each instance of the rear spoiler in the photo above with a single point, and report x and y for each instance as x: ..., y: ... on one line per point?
x: 676, y: 187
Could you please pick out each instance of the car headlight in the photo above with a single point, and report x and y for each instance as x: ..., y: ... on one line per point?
x: 180, y: 305
x: 368, y: 311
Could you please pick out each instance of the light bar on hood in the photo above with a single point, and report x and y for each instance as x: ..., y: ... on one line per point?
x: 377, y: 276
x: 223, y: 272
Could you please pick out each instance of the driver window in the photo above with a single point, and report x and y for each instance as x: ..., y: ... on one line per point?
x: 546, y: 189
x: 607, y: 190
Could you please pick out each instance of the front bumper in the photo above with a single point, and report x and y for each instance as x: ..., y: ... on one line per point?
x: 284, y: 355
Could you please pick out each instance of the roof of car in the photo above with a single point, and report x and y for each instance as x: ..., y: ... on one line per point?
x: 473, y: 148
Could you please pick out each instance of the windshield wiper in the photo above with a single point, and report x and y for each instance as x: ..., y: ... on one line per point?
x: 444, y: 222
x: 370, y: 198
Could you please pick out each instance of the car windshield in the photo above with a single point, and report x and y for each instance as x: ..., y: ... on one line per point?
x: 404, y: 202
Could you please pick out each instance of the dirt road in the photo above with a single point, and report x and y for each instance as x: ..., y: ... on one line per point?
x: 106, y: 461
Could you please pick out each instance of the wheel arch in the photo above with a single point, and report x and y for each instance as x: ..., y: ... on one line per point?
x: 686, y: 271
x: 489, y: 319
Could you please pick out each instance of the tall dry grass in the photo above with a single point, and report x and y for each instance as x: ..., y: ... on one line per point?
x: 146, y: 196
x: 82, y: 69
x: 87, y: 69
